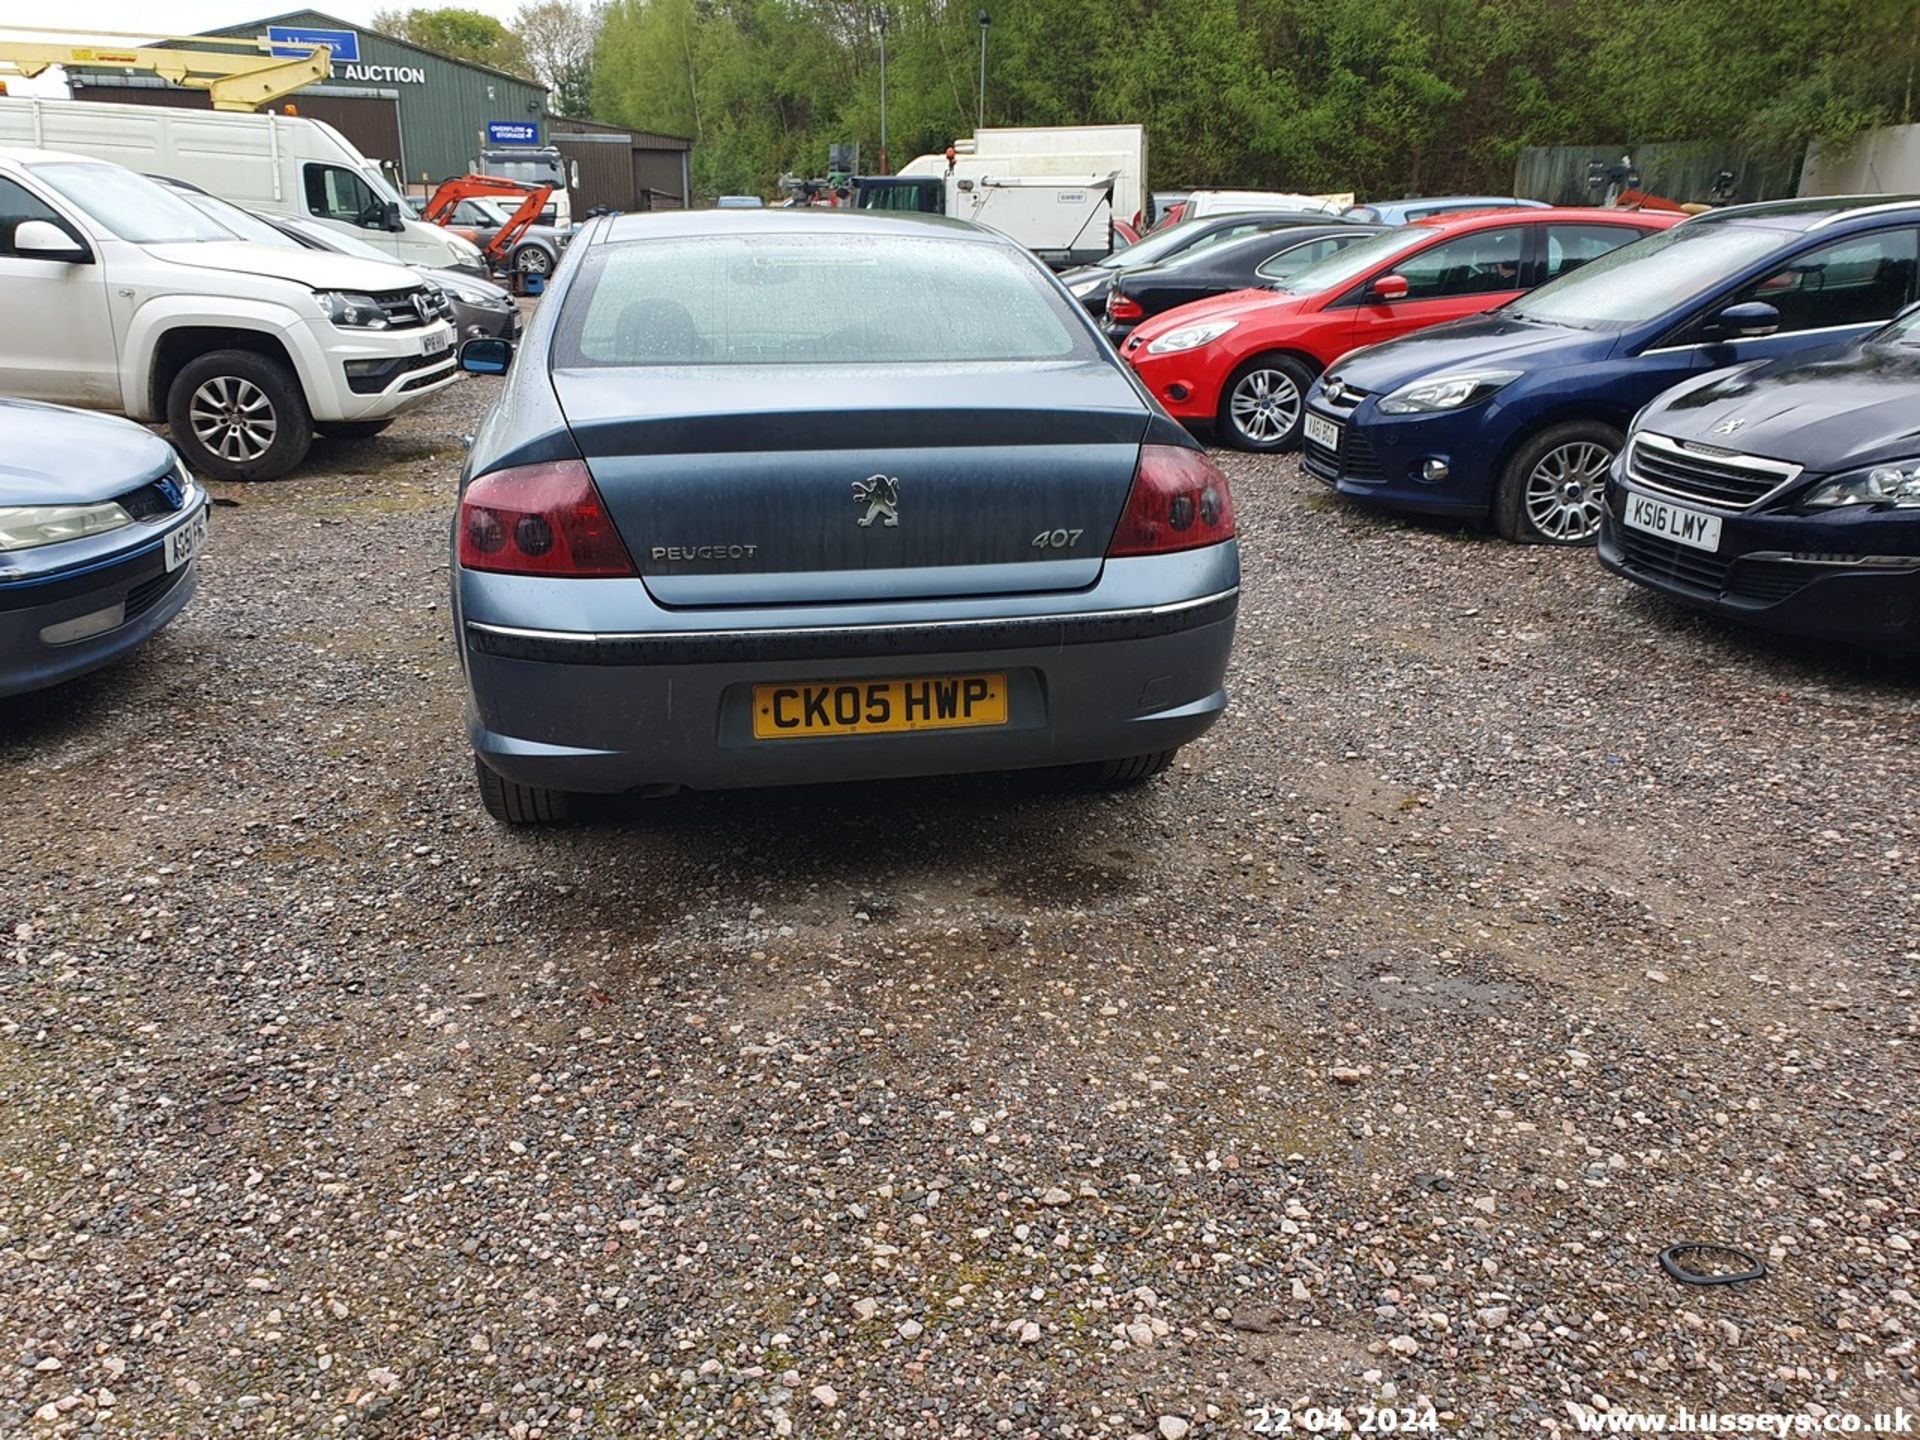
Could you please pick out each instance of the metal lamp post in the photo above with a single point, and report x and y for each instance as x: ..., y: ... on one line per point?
x: 985, y: 21
x: 885, y: 168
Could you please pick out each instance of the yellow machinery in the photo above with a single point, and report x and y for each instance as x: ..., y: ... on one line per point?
x: 239, y: 79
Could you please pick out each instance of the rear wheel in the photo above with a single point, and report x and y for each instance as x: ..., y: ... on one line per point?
x: 1263, y: 404
x: 238, y: 415
x: 1134, y: 770
x: 1554, y: 488
x: 512, y: 803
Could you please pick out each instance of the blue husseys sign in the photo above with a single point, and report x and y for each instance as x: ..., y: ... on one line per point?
x: 513, y: 132
x: 345, y: 44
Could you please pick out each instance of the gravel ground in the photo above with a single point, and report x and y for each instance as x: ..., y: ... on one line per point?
x: 1513, y: 926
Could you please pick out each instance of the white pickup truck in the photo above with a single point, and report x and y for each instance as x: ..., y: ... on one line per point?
x: 115, y: 294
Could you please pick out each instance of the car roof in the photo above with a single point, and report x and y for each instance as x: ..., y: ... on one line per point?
x: 30, y: 155
x: 1528, y: 215
x: 1811, y: 212
x: 780, y: 220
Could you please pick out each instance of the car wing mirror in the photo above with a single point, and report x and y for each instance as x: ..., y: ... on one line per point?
x: 390, y: 217
x: 1390, y: 287
x: 44, y: 240
x: 1746, y: 321
x: 486, y: 355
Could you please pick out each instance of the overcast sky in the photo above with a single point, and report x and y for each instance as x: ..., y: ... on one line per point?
x: 188, y: 17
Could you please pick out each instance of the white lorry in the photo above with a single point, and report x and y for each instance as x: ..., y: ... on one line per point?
x: 283, y: 164
x: 120, y: 296
x: 1060, y: 151
x: 1064, y: 220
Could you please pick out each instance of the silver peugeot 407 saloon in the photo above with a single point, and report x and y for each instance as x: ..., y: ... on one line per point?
x: 783, y: 496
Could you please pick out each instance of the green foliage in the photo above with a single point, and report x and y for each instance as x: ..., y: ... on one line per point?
x: 1385, y: 97
x: 464, y: 34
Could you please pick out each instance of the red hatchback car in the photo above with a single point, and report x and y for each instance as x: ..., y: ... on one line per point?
x: 1243, y: 362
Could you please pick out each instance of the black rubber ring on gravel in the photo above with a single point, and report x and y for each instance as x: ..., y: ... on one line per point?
x: 1681, y: 1274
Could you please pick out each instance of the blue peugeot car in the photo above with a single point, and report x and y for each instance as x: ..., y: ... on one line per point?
x: 100, y: 525
x: 1516, y: 416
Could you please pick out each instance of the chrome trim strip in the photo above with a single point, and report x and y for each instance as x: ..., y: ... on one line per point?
x: 893, y: 644
x: 1889, y: 208
x: 1068, y: 617
x: 1786, y: 472
x: 1863, y: 326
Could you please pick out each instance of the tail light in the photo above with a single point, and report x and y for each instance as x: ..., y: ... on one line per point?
x: 1123, y: 307
x: 540, y: 520
x: 1179, y: 501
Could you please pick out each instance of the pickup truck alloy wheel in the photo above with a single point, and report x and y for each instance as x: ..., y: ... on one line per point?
x: 233, y: 418
x: 239, y: 415
x: 1264, y: 404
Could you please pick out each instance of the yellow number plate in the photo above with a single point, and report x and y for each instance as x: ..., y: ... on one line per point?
x: 877, y: 707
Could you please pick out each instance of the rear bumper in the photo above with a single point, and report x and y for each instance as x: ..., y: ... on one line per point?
x: 672, y: 706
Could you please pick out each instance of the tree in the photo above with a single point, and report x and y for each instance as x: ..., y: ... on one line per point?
x: 463, y: 34
x: 559, y: 36
x: 1381, y: 97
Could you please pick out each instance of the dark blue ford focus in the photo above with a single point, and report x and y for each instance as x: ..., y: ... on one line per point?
x: 1516, y: 416
x: 100, y: 524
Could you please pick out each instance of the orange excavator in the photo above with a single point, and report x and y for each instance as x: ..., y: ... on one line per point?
x: 446, y: 199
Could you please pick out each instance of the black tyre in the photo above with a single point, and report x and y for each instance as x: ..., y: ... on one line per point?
x: 1264, y: 404
x: 1553, y: 489
x: 531, y: 259
x: 237, y: 415
x: 352, y: 429
x: 1134, y: 770
x: 512, y: 803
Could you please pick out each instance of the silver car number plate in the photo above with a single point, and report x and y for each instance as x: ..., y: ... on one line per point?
x: 434, y: 344
x: 186, y: 541
x: 1672, y: 522
x: 1322, y: 431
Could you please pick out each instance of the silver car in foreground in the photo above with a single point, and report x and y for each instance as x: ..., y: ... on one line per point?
x: 781, y: 496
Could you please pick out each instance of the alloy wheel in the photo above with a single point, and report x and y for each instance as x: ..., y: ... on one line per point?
x: 1566, y: 491
x: 1265, y: 406
x: 233, y: 418
x: 533, y: 261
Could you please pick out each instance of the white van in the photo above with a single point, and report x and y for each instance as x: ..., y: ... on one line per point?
x: 284, y: 164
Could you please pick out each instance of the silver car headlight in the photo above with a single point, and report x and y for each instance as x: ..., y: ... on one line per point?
x: 1446, y: 392
x: 1895, y: 485
x: 22, y: 527
x: 1190, y: 337
x: 353, y: 312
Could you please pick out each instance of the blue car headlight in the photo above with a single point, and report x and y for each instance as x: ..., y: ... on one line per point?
x: 1895, y: 485
x: 24, y: 527
x: 1446, y: 392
